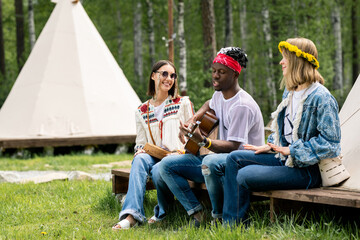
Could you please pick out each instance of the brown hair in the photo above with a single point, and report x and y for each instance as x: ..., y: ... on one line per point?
x: 300, y: 71
x: 151, y: 87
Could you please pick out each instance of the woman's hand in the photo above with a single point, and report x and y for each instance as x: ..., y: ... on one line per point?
x: 258, y: 149
x: 140, y: 150
x: 283, y: 150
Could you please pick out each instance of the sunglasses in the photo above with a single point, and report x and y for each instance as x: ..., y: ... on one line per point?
x: 165, y: 74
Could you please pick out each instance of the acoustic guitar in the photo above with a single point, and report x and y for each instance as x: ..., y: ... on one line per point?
x: 207, y: 124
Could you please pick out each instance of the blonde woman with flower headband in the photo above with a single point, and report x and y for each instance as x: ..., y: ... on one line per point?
x: 305, y: 129
x: 157, y: 122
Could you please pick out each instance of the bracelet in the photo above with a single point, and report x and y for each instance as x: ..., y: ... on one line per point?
x: 180, y: 151
x: 209, y: 141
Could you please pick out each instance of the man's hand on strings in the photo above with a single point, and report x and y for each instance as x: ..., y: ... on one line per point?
x: 191, y: 132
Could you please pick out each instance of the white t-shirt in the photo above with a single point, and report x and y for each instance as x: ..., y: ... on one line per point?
x: 240, y: 118
x: 292, y: 109
x: 159, y: 111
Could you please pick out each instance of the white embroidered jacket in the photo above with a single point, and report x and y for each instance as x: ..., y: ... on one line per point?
x: 166, y: 131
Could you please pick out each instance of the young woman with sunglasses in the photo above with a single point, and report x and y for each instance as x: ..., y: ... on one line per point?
x: 163, y: 111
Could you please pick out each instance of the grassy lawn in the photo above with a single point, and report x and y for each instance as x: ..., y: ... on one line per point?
x: 87, y: 210
x: 63, y: 163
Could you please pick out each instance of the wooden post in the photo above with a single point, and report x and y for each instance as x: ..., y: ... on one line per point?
x: 170, y: 26
x: 272, y: 210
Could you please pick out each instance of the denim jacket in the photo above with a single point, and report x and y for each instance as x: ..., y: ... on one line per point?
x: 319, y: 131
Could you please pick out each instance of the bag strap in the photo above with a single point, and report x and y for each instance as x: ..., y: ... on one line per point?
x: 152, y: 138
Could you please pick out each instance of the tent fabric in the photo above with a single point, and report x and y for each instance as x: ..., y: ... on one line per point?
x: 70, y: 86
x: 350, y: 137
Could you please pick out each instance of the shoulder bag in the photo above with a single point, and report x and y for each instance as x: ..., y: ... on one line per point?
x: 332, y: 171
x: 150, y: 148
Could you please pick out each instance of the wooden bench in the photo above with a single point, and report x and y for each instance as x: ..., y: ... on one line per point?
x: 120, y: 182
x: 279, y: 199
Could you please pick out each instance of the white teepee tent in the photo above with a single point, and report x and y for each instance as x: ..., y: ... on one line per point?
x: 350, y: 137
x: 71, y: 86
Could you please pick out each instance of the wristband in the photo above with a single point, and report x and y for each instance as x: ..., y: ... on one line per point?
x: 209, y: 142
x: 180, y: 151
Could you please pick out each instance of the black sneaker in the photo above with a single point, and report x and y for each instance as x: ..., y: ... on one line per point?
x: 195, y: 223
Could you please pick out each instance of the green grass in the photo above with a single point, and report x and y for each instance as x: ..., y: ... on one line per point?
x: 62, y: 163
x: 87, y: 210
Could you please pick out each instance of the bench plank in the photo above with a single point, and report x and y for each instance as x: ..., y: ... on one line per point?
x: 60, y: 142
x: 120, y: 180
x: 316, y: 195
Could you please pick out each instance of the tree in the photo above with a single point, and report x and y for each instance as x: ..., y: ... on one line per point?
x: 247, y: 82
x: 209, y: 37
x: 20, y: 38
x: 150, y: 15
x: 294, y: 19
x: 119, y: 33
x: 170, y: 31
x: 182, y: 49
x: 269, y: 76
x: 338, y: 63
x: 138, y: 61
x: 32, y: 35
x: 2, y: 46
x: 354, y: 30
x: 228, y: 24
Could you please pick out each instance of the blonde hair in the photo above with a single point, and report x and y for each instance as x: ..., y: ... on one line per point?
x: 300, y: 70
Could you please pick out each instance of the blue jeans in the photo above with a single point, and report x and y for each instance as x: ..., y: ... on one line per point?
x: 214, y: 179
x: 246, y: 171
x: 174, y: 172
x: 143, y: 165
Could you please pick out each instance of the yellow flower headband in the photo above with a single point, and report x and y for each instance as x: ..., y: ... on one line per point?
x: 299, y: 53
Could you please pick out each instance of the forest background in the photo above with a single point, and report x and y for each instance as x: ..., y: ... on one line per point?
x: 136, y: 33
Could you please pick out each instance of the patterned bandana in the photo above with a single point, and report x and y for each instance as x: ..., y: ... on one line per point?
x: 228, y: 61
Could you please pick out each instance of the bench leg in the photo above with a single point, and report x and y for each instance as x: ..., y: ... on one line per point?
x: 120, y: 184
x: 287, y: 206
x: 272, y: 210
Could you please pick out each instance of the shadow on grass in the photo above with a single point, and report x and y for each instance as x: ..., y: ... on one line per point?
x: 110, y: 204
x: 329, y: 221
x: 310, y: 217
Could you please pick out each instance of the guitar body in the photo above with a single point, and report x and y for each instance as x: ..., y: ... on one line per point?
x: 208, y: 123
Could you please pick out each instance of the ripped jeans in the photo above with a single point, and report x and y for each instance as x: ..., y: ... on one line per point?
x: 213, y: 170
x: 175, y: 170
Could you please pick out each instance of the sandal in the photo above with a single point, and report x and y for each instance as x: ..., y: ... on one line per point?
x: 123, y: 225
x: 153, y: 220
